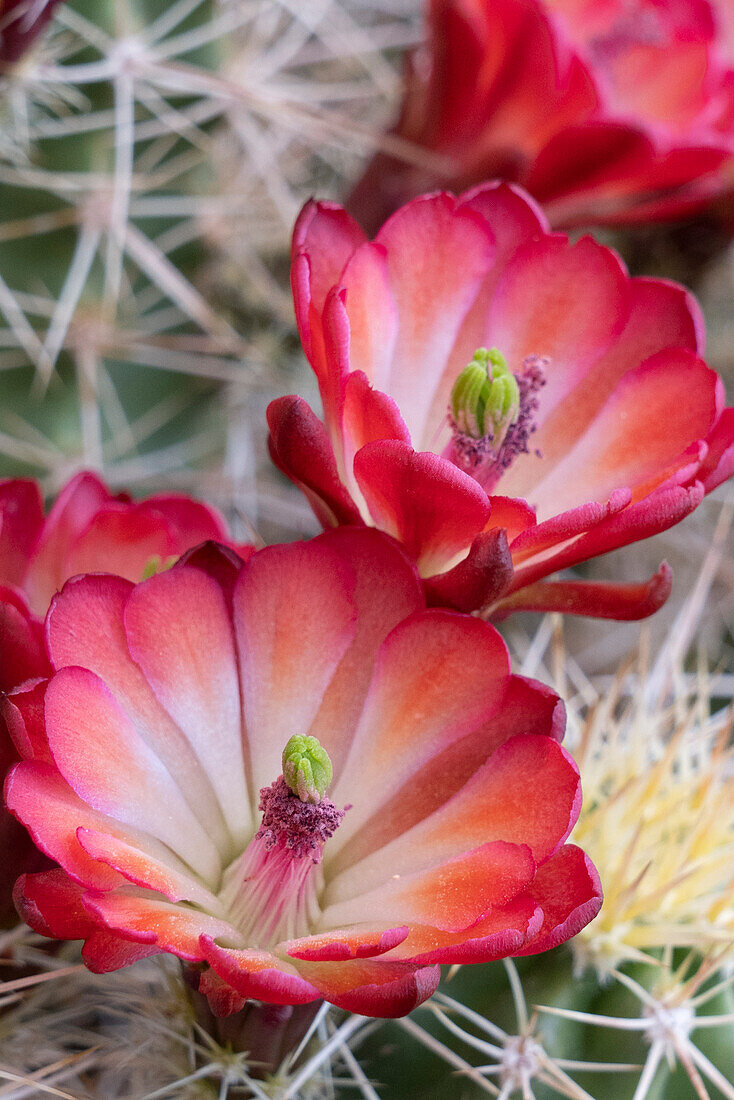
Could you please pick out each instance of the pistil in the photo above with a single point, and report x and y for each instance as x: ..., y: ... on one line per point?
x: 492, y: 414
x: 271, y: 892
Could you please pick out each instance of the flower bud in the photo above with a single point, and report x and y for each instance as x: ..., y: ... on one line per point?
x: 307, y: 768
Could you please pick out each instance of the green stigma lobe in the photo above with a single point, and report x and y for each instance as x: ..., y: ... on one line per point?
x: 157, y: 564
x: 307, y: 768
x: 485, y: 399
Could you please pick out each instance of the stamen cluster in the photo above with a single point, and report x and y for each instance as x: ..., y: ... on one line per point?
x: 303, y: 827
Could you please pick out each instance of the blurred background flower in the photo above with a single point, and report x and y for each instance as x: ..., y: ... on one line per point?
x: 606, y: 112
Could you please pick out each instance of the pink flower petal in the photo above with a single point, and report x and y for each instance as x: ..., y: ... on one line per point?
x: 502, y: 932
x: 662, y: 509
x: 719, y: 462
x: 451, y: 896
x: 503, y: 809
x: 301, y: 449
x: 513, y: 516
x: 368, y: 416
x: 223, y: 999
x: 640, y: 434
x: 372, y: 987
x: 51, y: 904
x: 422, y: 242
x: 51, y: 812
x: 387, y: 589
x: 590, y: 165
x: 121, y: 539
x: 480, y: 579
x: 493, y: 805
x: 422, y: 500
x: 154, y: 868
x: 92, y: 846
x: 437, y: 677
x: 23, y: 713
x: 527, y: 705
x: 258, y: 974
x: 180, y: 634
x: 73, y: 510
x: 514, y: 216
x: 372, y: 312
x: 91, y: 736
x: 22, y: 654
x: 358, y: 942
x: 103, y: 952
x: 603, y: 601
x: 85, y: 627
x: 567, y: 888
x: 662, y: 315
x: 143, y: 918
x: 326, y: 234
x: 295, y: 620
x: 514, y: 220
x: 561, y: 301
x: 192, y: 520
x: 559, y: 529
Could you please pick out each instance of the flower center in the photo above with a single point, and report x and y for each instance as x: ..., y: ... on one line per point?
x: 271, y: 891
x: 157, y: 564
x: 492, y: 414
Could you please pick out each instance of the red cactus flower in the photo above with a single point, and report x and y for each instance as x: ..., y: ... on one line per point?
x: 155, y: 775
x: 21, y: 21
x: 605, y: 110
x: 89, y: 529
x: 515, y: 363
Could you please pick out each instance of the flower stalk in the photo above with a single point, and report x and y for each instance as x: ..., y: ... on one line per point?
x: 266, y: 1033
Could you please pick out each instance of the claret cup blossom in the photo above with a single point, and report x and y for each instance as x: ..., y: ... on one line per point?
x: 88, y: 529
x: 296, y: 778
x: 504, y: 403
x: 605, y: 110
